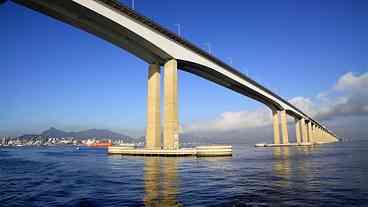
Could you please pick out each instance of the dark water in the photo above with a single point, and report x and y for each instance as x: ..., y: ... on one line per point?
x: 327, y: 175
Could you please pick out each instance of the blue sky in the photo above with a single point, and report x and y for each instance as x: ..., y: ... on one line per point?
x: 55, y: 75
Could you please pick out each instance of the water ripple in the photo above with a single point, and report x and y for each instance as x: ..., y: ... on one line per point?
x: 329, y: 175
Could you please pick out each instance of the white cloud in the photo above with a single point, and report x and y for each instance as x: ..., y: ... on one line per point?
x: 232, y: 121
x: 304, y: 104
x: 352, y: 100
x: 350, y: 82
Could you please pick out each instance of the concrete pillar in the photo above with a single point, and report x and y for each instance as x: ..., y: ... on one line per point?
x: 310, y: 132
x: 317, y: 134
x: 284, y: 129
x: 153, y: 131
x: 322, y: 134
x: 304, y: 131
x: 307, y: 127
x: 276, y: 129
x: 298, y: 130
x: 316, y: 137
x: 171, y: 121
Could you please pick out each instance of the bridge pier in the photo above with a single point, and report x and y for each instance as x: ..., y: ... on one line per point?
x: 324, y: 135
x: 171, y: 122
x: 316, y: 134
x: 284, y: 129
x: 300, y: 127
x: 298, y: 130
x: 304, y: 131
x: 310, y: 132
x: 276, y: 127
x: 153, y: 131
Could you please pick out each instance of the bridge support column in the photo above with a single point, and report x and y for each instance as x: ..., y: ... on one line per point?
x: 276, y: 127
x: 298, y: 130
x: 304, y: 131
x: 310, y: 132
x: 316, y: 134
x: 153, y: 131
x: 171, y: 122
x: 326, y: 135
x: 284, y: 129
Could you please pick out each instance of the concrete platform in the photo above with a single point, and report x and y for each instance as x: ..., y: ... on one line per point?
x: 200, y: 151
x: 327, y: 142
x: 284, y: 145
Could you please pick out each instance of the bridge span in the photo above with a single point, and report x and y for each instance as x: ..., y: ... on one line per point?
x: 146, y: 39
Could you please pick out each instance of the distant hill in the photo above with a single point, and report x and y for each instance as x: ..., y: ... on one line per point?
x: 53, y: 132
x: 90, y: 133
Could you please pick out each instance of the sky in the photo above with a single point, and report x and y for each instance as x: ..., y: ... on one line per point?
x: 313, y: 53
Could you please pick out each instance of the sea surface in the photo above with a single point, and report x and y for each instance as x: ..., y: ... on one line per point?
x: 325, y: 175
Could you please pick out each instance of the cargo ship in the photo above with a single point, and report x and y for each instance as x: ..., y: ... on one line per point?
x: 99, y: 144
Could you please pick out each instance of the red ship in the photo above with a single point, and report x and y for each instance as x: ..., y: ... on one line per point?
x: 100, y: 144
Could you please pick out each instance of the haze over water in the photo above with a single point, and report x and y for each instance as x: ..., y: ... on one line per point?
x: 325, y: 175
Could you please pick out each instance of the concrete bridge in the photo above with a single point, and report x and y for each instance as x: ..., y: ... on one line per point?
x: 125, y: 28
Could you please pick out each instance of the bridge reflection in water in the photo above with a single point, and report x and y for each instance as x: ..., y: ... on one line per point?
x: 161, y: 181
x: 291, y: 166
x: 281, y: 166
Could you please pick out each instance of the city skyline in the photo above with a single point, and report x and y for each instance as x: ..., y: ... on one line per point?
x: 90, y: 91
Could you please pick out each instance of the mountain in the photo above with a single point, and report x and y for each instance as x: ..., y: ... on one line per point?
x: 90, y: 133
x: 53, y: 132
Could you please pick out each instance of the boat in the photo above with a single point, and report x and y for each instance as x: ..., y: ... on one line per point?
x: 100, y: 144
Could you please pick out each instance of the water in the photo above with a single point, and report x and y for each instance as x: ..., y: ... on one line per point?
x: 326, y: 175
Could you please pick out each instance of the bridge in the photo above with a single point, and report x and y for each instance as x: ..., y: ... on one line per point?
x: 159, y: 47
